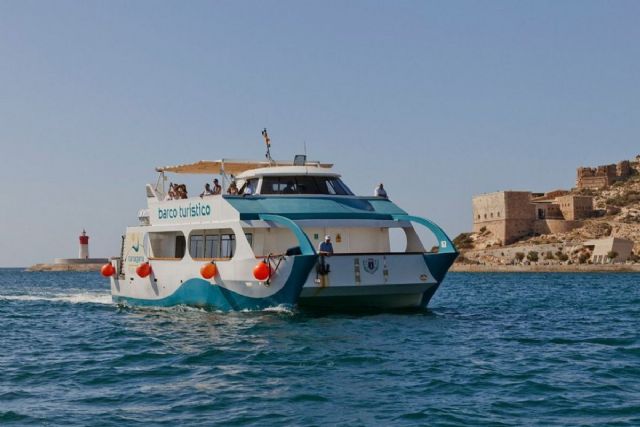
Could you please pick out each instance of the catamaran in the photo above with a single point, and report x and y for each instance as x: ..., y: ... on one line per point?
x: 259, y: 248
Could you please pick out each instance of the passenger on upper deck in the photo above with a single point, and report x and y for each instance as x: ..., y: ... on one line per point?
x: 207, y: 191
x: 217, y: 188
x: 233, y: 189
x: 171, y: 194
x: 380, y: 191
x: 181, y: 191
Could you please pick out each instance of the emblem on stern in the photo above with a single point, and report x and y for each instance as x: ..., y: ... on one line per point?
x: 371, y: 265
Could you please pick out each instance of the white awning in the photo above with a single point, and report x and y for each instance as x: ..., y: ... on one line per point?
x: 228, y: 166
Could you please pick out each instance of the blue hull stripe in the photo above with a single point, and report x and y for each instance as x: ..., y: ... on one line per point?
x: 201, y: 293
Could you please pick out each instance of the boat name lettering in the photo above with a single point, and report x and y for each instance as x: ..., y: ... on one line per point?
x: 135, y: 259
x: 190, y: 211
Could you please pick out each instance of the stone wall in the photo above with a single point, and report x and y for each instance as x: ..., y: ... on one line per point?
x: 516, y: 229
x: 518, y: 205
x: 602, y: 176
x: 508, y: 215
x: 593, y: 182
x: 554, y: 226
x: 488, y: 212
x: 623, y: 169
x: 489, y: 207
x: 575, y: 207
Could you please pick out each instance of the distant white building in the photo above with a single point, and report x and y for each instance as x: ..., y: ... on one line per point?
x: 602, y: 247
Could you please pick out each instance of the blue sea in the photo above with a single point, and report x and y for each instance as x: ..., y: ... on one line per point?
x: 492, y: 349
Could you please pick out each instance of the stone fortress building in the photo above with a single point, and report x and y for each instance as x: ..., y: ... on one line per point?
x: 603, y: 176
x: 511, y: 215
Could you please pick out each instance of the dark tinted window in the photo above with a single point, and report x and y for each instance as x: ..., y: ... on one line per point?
x: 303, y: 185
x: 181, y: 245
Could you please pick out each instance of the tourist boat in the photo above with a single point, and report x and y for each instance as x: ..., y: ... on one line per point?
x: 252, y: 252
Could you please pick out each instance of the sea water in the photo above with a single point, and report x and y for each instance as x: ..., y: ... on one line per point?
x: 492, y: 349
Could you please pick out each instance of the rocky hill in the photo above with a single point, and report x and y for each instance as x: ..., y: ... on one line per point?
x: 617, y: 213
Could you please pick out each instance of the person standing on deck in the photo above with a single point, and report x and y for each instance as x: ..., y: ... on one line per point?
x: 325, y: 248
x: 380, y: 191
x: 217, y: 188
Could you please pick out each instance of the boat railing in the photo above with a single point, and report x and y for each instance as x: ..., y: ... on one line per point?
x: 343, y: 254
x: 118, y: 265
x: 271, y: 256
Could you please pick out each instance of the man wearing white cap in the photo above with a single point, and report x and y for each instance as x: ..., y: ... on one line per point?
x: 325, y: 248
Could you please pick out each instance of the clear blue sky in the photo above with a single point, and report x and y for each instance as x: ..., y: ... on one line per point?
x: 439, y: 100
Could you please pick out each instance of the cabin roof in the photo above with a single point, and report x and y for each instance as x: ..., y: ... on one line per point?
x: 231, y: 166
x: 287, y: 171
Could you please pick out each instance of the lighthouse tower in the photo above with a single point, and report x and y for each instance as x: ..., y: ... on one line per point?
x: 84, y: 245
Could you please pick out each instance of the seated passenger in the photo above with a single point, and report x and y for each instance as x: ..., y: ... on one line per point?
x: 182, y: 191
x: 217, y: 188
x: 248, y: 190
x: 171, y: 194
x: 233, y: 189
x: 207, y: 191
x: 380, y: 191
x: 289, y: 189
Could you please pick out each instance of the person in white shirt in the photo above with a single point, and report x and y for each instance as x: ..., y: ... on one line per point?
x: 248, y: 190
x: 380, y: 191
x: 326, y: 248
x: 207, y: 190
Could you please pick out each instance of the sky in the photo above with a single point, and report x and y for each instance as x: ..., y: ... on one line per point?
x: 438, y: 100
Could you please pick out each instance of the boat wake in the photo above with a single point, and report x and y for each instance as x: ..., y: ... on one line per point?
x: 281, y: 309
x: 77, y: 298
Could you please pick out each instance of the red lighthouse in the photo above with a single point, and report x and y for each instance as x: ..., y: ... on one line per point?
x: 84, y: 245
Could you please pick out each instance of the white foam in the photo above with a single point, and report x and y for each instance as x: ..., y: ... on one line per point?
x: 79, y: 298
x: 280, y: 309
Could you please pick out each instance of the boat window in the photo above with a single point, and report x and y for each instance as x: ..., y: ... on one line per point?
x: 227, y: 245
x: 196, y: 246
x: 212, y: 246
x: 167, y: 245
x: 338, y: 187
x: 278, y: 185
x: 304, y: 185
x: 209, y: 244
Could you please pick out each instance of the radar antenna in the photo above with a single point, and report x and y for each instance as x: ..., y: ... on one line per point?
x: 267, y: 141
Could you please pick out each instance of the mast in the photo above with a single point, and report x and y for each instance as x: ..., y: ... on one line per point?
x: 267, y: 141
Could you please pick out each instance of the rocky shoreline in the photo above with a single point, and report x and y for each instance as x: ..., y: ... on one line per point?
x: 65, y: 267
x: 562, y: 268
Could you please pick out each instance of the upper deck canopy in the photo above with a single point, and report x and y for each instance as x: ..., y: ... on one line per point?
x: 229, y: 166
